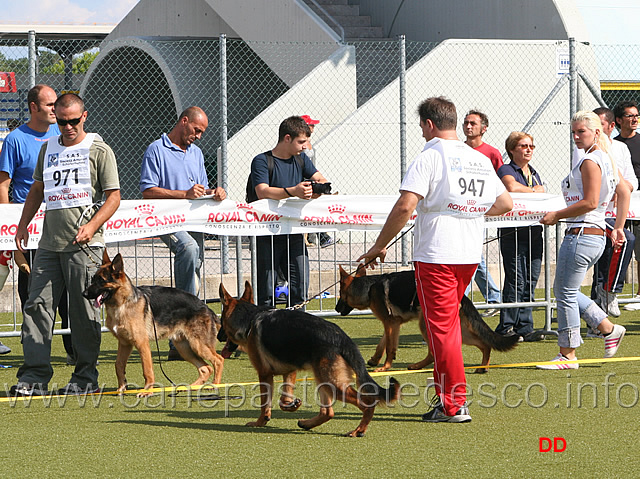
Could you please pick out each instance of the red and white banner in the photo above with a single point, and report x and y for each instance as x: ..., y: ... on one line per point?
x: 137, y: 219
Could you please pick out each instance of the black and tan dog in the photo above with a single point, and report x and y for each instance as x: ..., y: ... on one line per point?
x: 137, y: 314
x: 282, y: 341
x: 393, y: 300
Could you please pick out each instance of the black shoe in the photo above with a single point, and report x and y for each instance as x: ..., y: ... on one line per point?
x: 26, y: 390
x: 533, y: 336
x: 174, y: 355
x: 437, y: 415
x: 72, y: 389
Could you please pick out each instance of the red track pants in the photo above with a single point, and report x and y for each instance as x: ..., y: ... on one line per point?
x: 440, y: 289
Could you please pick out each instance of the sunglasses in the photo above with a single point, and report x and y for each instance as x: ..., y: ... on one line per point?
x: 73, y: 122
x: 525, y: 147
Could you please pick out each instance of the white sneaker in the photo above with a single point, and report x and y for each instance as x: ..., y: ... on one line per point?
x: 560, y: 363
x: 612, y: 340
x: 608, y: 301
x: 4, y: 349
x: 614, y: 307
x: 633, y: 306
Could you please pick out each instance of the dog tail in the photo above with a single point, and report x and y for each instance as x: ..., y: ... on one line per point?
x: 489, y: 336
x: 366, y: 384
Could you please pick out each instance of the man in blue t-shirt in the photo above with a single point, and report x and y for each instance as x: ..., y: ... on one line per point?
x: 288, y: 179
x: 173, y: 168
x: 17, y: 161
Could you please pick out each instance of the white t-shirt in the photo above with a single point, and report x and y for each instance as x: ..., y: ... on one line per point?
x: 620, y: 153
x: 458, y: 185
x: 573, y: 190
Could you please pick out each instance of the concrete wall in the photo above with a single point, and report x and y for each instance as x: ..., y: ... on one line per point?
x: 329, y: 93
x: 438, y: 20
x: 506, y: 79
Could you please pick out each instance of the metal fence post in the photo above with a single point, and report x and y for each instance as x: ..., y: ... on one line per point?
x: 223, y: 177
x: 32, y: 58
x: 403, y: 130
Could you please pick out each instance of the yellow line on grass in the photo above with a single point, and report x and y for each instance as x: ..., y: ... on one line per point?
x: 226, y: 386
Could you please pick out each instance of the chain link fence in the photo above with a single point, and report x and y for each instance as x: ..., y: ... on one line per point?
x: 364, y: 93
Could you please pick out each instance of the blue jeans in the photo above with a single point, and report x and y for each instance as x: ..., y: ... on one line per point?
x: 521, y: 250
x: 577, y: 254
x: 485, y: 283
x: 188, y: 249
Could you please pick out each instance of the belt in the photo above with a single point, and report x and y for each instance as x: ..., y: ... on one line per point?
x: 585, y: 231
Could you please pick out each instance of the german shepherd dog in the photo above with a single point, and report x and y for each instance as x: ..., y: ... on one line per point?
x: 282, y: 341
x: 137, y: 314
x: 393, y: 300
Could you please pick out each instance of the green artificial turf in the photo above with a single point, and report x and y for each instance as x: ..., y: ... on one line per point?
x: 512, y: 408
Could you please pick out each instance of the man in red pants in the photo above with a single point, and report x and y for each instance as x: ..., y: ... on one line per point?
x: 452, y: 187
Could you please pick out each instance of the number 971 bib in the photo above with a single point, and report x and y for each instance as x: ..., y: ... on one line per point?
x: 67, y: 174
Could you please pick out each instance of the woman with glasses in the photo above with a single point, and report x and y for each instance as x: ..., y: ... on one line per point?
x: 521, y: 247
x: 587, y: 191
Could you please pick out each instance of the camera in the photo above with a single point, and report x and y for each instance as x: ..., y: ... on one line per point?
x: 321, y: 188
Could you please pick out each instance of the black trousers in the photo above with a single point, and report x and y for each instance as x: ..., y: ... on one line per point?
x: 289, y: 254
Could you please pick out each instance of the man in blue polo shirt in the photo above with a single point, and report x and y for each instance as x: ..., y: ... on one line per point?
x: 173, y: 168
x: 17, y: 161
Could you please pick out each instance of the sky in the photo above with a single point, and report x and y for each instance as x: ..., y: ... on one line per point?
x: 66, y: 11
x: 607, y: 22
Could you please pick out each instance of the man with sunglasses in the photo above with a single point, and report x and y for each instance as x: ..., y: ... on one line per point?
x: 73, y: 173
x: 18, y: 159
x: 626, y: 115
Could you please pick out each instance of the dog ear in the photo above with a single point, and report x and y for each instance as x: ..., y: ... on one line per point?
x: 248, y: 292
x: 117, y: 264
x: 224, y: 296
x: 343, y: 273
x: 361, y: 270
x: 105, y: 257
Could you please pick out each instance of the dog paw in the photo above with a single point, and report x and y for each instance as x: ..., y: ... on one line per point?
x: 355, y: 433
x: 259, y: 423
x: 373, y: 362
x: 301, y: 424
x: 144, y: 394
x: 481, y: 370
x: 382, y: 369
x: 291, y: 406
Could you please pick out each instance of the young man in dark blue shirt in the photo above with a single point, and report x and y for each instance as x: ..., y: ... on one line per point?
x: 289, y: 178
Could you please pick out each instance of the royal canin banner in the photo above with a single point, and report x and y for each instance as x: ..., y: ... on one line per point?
x: 137, y: 219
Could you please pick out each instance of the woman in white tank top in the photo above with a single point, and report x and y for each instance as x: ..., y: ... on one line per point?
x: 587, y: 190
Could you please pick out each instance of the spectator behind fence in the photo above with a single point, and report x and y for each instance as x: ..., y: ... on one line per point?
x: 17, y: 161
x: 587, y: 191
x: 611, y: 268
x: 475, y: 126
x: 173, y: 168
x: 325, y: 239
x: 290, y: 165
x: 448, y: 243
x: 626, y: 118
x: 70, y: 248
x: 521, y: 247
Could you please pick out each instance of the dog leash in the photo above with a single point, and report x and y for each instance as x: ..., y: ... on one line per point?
x: 84, y: 248
x: 304, y: 303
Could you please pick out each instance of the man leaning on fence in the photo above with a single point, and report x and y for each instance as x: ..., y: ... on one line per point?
x: 475, y: 126
x: 17, y: 161
x: 611, y: 269
x: 626, y: 117
x: 74, y: 171
x: 287, y: 179
x: 448, y: 242
x: 173, y: 168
